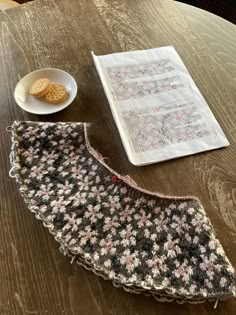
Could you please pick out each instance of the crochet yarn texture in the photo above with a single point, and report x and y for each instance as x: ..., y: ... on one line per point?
x: 142, y: 241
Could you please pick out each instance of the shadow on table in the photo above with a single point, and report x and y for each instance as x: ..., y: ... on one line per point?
x: 225, y: 8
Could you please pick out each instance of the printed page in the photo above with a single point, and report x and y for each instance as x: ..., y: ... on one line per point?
x: 158, y: 109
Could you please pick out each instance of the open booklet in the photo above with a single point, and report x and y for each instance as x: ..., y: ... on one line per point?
x: 158, y: 109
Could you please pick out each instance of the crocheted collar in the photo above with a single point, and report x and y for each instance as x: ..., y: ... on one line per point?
x: 144, y: 242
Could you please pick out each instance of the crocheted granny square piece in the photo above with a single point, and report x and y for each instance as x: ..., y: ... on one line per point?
x: 142, y: 241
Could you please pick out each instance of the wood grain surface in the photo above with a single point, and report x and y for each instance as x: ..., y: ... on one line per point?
x: 35, y: 278
x: 7, y: 4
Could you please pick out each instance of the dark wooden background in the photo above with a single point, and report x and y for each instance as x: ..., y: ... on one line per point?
x: 35, y: 278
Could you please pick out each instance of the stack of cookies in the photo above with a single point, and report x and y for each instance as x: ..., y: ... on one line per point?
x: 52, y: 93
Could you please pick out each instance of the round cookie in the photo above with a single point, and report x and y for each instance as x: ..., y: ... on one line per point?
x: 57, y: 94
x: 40, y: 87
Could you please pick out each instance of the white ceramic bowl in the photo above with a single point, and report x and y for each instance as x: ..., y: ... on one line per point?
x: 39, y: 106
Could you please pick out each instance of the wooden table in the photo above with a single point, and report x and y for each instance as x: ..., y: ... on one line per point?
x: 35, y: 278
x: 7, y: 4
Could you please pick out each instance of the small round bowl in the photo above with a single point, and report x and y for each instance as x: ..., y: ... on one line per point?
x: 39, y: 106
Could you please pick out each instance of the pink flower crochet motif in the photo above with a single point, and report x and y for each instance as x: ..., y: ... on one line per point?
x: 163, y: 246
